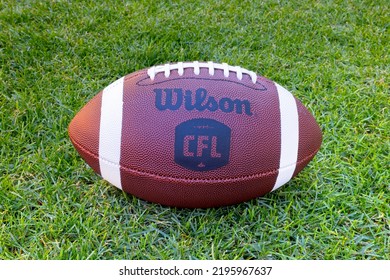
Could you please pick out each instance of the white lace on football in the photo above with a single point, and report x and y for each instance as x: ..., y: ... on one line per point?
x: 166, y: 69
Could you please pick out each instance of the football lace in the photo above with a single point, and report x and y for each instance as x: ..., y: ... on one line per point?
x: 180, y: 66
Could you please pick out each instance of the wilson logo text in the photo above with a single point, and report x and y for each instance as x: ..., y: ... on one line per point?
x: 175, y: 98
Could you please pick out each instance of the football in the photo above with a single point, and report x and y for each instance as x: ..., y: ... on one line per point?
x: 195, y: 134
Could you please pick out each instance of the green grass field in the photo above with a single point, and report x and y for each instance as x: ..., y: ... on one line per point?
x: 332, y: 55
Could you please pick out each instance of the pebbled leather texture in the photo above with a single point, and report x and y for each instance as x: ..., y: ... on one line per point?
x: 155, y: 110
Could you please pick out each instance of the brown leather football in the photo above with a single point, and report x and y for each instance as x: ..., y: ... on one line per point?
x: 195, y: 134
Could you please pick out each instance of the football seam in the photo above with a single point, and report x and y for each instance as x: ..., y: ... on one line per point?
x: 264, y: 88
x: 142, y: 72
x: 196, y: 65
x: 164, y: 177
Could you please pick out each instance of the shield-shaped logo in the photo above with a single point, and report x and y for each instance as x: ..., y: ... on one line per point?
x: 202, y: 144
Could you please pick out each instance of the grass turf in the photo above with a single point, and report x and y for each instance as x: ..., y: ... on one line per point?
x: 56, y: 55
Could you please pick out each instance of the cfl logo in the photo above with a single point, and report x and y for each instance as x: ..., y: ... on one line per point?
x: 202, y: 144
